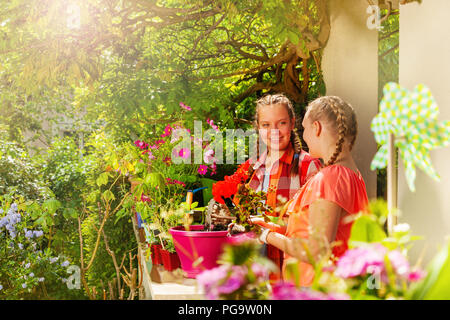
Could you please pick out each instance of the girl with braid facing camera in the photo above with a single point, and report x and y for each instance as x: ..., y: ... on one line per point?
x: 319, y: 213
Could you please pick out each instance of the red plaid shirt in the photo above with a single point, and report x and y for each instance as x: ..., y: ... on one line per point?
x: 280, y: 182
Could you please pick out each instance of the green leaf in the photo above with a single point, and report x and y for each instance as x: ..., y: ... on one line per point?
x: 435, y: 285
x: 51, y: 206
x: 365, y: 229
x: 70, y: 213
x: 102, y: 179
x: 108, y: 195
x: 293, y: 37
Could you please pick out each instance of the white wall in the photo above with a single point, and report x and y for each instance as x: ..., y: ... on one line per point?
x: 425, y: 58
x: 350, y: 68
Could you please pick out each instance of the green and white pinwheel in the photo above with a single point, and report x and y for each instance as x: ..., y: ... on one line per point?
x: 412, y: 118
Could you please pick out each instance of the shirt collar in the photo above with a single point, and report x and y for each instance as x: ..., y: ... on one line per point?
x: 287, y: 158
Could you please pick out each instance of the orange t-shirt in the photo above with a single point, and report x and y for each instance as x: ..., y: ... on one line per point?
x: 334, y: 183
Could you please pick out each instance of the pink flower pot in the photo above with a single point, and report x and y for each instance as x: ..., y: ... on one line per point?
x: 197, y: 244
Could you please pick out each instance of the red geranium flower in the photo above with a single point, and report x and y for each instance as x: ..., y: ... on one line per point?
x: 229, y: 187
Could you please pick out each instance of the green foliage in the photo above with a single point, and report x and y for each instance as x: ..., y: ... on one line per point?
x: 19, y: 173
x: 130, y: 64
x: 435, y: 285
x: 30, y: 268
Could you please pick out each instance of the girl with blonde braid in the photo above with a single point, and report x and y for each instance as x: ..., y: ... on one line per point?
x: 283, y: 167
x: 319, y: 213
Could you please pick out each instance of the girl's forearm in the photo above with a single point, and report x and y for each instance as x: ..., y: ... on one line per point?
x: 292, y: 247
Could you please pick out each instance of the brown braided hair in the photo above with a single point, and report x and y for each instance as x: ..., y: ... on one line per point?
x: 342, y: 117
x: 271, y: 99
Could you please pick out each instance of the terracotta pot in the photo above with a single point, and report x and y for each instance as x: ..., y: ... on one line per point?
x: 155, y: 250
x: 170, y: 260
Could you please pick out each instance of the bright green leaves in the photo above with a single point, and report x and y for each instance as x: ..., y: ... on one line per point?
x: 102, y: 179
x: 366, y: 229
x: 108, y: 196
x: 435, y: 285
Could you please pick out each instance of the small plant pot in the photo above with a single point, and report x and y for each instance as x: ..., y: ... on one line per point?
x: 171, y: 261
x: 155, y: 250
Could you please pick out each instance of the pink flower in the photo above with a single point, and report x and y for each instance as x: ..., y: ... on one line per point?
x: 261, y: 272
x: 288, y: 291
x: 356, y: 262
x: 141, y: 144
x: 213, y: 168
x: 416, y: 275
x: 399, y: 262
x: 208, y: 156
x: 144, y: 198
x: 173, y: 181
x: 241, y: 238
x: 167, y: 131
x: 234, y: 281
x: 167, y: 160
x: 184, y: 153
x: 185, y: 107
x: 211, y: 123
x: 202, y: 169
x: 150, y: 155
x: 224, y: 279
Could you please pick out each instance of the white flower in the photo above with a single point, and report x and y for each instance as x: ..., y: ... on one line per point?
x: 401, y: 228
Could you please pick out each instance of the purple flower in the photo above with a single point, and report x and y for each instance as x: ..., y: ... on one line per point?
x: 24, y: 285
x: 38, y: 233
x: 41, y: 279
x: 1, y: 287
x: 29, y: 234
x: 185, y: 107
x: 65, y: 263
x: 202, y: 169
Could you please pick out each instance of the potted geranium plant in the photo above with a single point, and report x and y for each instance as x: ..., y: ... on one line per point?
x: 199, y: 246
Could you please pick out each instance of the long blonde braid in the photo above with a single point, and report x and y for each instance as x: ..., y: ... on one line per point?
x: 341, y: 115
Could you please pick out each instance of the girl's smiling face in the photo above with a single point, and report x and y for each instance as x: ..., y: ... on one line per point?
x: 275, y: 126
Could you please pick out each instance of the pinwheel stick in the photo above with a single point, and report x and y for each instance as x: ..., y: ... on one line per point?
x: 392, y: 184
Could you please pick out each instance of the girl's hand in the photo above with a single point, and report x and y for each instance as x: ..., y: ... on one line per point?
x: 258, y: 220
